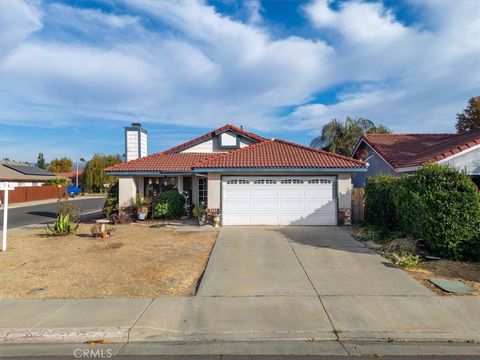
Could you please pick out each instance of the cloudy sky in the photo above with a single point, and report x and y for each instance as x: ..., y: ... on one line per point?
x: 74, y: 73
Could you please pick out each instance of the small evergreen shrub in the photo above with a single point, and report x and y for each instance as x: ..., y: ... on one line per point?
x: 379, y: 205
x: 168, y: 204
x: 441, y: 206
x: 111, y: 202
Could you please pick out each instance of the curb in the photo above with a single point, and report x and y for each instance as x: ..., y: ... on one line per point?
x: 64, y: 335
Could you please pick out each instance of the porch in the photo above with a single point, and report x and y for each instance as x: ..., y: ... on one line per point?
x: 193, y: 186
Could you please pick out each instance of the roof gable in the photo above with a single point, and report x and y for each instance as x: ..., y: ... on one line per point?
x: 409, y: 150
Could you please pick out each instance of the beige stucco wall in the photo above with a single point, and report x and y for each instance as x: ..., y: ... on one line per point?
x: 127, y: 189
x: 345, y: 188
x: 195, y: 190
x: 214, y: 190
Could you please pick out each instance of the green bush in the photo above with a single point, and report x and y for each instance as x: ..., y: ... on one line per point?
x: 62, y: 226
x: 111, y: 202
x: 441, y: 206
x: 379, y: 205
x: 168, y: 204
x: 405, y: 259
x: 378, y: 235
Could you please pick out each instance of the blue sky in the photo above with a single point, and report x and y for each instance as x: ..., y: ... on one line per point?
x: 74, y: 73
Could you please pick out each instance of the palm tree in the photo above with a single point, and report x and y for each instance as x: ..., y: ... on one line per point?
x: 342, y: 137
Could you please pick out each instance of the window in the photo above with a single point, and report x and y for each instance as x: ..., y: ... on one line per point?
x: 202, y: 191
x: 265, y: 181
x: 319, y: 181
x: 292, y: 181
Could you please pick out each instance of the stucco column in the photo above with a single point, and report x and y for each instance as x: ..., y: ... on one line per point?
x: 127, y: 190
x: 180, y: 184
x: 195, y: 189
x: 213, y: 191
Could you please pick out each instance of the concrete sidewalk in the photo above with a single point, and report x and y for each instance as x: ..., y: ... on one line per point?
x: 206, y: 319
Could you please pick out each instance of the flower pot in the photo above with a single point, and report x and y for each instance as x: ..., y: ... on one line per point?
x: 141, y: 216
x: 201, y: 221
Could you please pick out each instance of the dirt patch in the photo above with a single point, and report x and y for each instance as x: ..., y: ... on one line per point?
x: 469, y: 273
x: 137, y: 261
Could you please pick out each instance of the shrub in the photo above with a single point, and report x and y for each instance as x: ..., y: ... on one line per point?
x: 197, y: 211
x: 122, y: 217
x: 69, y: 208
x: 62, y: 226
x: 379, y: 205
x: 405, y: 259
x: 111, y: 202
x: 378, y: 235
x: 168, y: 204
x: 441, y: 206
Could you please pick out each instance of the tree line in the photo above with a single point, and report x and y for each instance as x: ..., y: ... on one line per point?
x: 341, y: 137
x: 93, y: 178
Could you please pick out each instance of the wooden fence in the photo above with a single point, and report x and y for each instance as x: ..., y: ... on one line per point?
x: 33, y: 193
x: 358, y: 205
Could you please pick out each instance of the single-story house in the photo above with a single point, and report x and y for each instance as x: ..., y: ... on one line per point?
x: 250, y: 179
x: 398, y: 154
x: 20, y: 174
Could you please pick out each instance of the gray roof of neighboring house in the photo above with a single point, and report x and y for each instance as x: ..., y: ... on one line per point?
x: 14, y: 171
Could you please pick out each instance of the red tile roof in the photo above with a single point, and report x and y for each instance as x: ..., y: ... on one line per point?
x: 161, y: 162
x: 263, y: 154
x: 279, y: 154
x: 211, y: 134
x: 405, y: 150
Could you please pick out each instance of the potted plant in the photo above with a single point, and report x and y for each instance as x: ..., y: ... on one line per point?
x: 199, y: 213
x: 142, y: 212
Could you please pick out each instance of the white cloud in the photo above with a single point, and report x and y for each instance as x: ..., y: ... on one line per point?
x: 418, y: 78
x: 182, y: 62
x: 17, y: 20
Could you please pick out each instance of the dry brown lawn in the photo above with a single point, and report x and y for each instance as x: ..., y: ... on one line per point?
x: 137, y: 261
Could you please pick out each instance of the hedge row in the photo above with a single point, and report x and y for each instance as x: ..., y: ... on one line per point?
x: 437, y: 204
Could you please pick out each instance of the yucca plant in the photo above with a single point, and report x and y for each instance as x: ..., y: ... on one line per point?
x: 62, y: 226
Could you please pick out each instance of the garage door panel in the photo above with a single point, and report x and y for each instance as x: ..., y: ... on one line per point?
x: 235, y: 194
x: 319, y: 193
x: 264, y: 193
x: 264, y: 205
x: 291, y: 193
x: 251, y: 200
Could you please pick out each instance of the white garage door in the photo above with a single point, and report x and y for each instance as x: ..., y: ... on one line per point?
x: 275, y: 200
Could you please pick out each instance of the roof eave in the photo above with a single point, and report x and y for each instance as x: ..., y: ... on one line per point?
x: 282, y: 169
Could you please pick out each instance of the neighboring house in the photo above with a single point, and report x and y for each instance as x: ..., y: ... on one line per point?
x: 397, y: 154
x: 72, y: 176
x: 252, y: 180
x: 19, y: 174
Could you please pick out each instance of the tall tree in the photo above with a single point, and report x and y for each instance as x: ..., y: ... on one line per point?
x: 342, y: 137
x: 41, y: 162
x: 469, y: 120
x: 62, y: 165
x: 95, y: 177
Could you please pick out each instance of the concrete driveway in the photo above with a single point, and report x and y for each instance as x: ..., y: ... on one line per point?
x: 300, y: 261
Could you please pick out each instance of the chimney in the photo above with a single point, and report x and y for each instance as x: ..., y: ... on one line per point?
x: 136, y: 140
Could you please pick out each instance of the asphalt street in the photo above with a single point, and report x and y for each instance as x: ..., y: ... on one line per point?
x: 42, y: 213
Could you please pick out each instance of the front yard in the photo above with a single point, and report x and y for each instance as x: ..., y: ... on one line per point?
x: 137, y: 261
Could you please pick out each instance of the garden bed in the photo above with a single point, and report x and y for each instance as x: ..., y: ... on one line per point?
x: 137, y: 261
